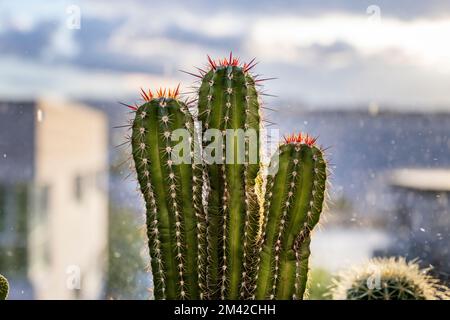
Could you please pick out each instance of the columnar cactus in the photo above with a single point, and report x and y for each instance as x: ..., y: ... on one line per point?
x: 228, y: 100
x: 293, y: 203
x: 4, y: 288
x: 172, y: 193
x: 388, y: 279
x: 218, y: 227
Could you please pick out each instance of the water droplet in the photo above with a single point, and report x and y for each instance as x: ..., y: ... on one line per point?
x: 422, y: 229
x: 4, y: 155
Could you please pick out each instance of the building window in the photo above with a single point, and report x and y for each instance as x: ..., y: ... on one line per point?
x: 78, y: 188
x: 44, y: 199
x: 2, y: 208
x: 101, y: 181
x: 42, y: 204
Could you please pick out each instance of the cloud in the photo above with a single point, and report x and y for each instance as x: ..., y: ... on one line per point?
x: 94, y: 39
x: 175, y: 32
x: 401, y: 9
x: 26, y: 41
x: 35, y: 79
x: 419, y: 42
x: 356, y: 85
x: 322, y: 54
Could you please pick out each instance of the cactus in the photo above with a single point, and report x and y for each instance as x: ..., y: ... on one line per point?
x: 388, y: 279
x: 228, y: 99
x: 172, y: 193
x: 4, y: 288
x: 292, y: 207
x: 220, y: 228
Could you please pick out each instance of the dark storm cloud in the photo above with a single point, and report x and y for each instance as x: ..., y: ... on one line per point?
x: 94, y: 35
x: 30, y: 43
x: 92, y: 39
x: 314, y: 70
x: 174, y: 32
x: 327, y: 51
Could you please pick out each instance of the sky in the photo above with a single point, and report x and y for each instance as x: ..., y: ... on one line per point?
x: 324, y: 54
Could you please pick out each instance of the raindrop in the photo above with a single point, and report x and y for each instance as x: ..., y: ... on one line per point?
x: 4, y: 155
x: 422, y: 229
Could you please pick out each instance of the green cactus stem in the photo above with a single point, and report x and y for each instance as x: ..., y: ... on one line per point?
x: 4, y: 288
x: 228, y: 99
x: 388, y: 279
x: 217, y: 227
x: 293, y: 203
x: 172, y: 192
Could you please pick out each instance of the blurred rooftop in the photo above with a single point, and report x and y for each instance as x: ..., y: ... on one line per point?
x: 421, y: 179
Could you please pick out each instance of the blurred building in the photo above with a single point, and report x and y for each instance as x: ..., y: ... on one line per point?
x: 364, y: 144
x: 53, y: 199
x: 420, y: 219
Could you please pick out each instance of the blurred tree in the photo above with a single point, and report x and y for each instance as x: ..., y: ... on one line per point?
x: 13, y: 229
x: 127, y: 276
x: 319, y: 285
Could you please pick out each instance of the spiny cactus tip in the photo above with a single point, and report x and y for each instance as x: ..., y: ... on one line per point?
x: 230, y: 61
x: 302, y: 138
x: 160, y: 93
